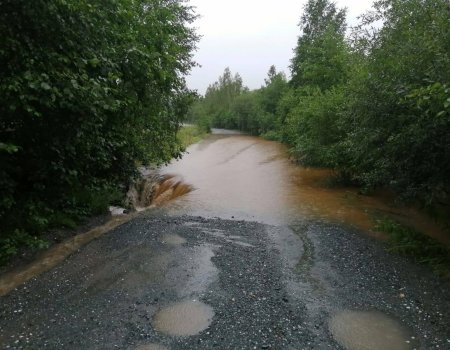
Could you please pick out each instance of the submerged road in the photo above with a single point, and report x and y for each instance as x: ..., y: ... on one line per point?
x: 256, y: 257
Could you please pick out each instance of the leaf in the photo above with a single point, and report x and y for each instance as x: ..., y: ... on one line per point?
x: 8, y: 148
x: 94, y: 62
x: 45, y: 86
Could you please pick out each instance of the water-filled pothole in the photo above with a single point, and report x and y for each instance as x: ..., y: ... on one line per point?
x: 172, y: 239
x: 184, y: 318
x: 364, y: 330
x: 151, y: 347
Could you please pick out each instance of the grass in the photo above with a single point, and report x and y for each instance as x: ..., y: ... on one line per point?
x: 14, y: 243
x: 409, y: 242
x: 190, y: 134
x: 38, y: 220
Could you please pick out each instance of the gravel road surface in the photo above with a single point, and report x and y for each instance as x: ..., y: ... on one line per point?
x: 164, y: 281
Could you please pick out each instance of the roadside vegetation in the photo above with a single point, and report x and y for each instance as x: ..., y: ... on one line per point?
x: 409, y: 242
x: 371, y: 102
x: 190, y: 134
x: 87, y: 91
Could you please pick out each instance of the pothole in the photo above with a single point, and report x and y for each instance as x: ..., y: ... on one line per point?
x: 364, y: 330
x: 151, y: 347
x: 184, y: 318
x: 172, y: 239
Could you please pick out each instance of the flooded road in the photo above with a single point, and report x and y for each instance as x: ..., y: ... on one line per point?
x: 240, y: 249
x: 244, y: 177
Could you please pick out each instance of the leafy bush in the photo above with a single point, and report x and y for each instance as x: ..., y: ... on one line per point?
x: 190, y: 134
x: 87, y: 89
x: 9, y: 246
x: 229, y: 104
x: 373, y: 105
x: 397, y: 119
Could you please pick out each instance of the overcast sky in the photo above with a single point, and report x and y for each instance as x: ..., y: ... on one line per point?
x: 249, y: 36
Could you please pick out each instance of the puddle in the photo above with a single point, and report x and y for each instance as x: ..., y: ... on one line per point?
x: 184, y: 318
x: 172, y: 239
x: 364, y: 330
x: 151, y: 347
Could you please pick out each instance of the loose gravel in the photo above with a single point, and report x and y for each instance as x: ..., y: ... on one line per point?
x: 269, y: 288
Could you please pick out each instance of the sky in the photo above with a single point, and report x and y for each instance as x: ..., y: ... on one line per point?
x: 249, y: 36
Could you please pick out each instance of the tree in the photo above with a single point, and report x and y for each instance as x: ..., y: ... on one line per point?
x: 399, y: 111
x: 318, y: 60
x: 87, y: 89
x: 219, y: 99
x: 320, y: 69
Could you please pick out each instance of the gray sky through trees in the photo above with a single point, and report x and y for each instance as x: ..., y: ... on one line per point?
x: 249, y: 36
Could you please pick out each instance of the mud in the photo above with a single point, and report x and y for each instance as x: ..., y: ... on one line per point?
x: 150, y: 347
x: 370, y: 330
x: 184, y: 318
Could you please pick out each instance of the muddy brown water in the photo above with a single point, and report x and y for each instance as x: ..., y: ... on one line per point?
x: 231, y: 175
x: 244, y: 177
x: 151, y: 347
x: 183, y: 318
x: 172, y: 239
x: 241, y: 177
x: 370, y: 330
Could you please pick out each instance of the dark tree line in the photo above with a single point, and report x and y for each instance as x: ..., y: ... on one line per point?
x: 88, y: 89
x: 372, y: 102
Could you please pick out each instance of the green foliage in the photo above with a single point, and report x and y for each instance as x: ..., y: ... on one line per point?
x: 425, y: 250
x: 378, y: 111
x: 398, y: 117
x: 319, y: 59
x: 86, y: 90
x: 219, y: 99
x: 247, y: 114
x: 313, y: 127
x: 320, y: 69
x: 190, y: 134
x: 374, y: 106
x: 10, y: 245
x: 228, y: 104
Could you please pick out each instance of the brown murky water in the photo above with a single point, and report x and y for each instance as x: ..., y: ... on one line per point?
x: 151, y: 347
x: 245, y: 177
x: 184, y: 318
x: 364, y: 330
x: 172, y: 239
